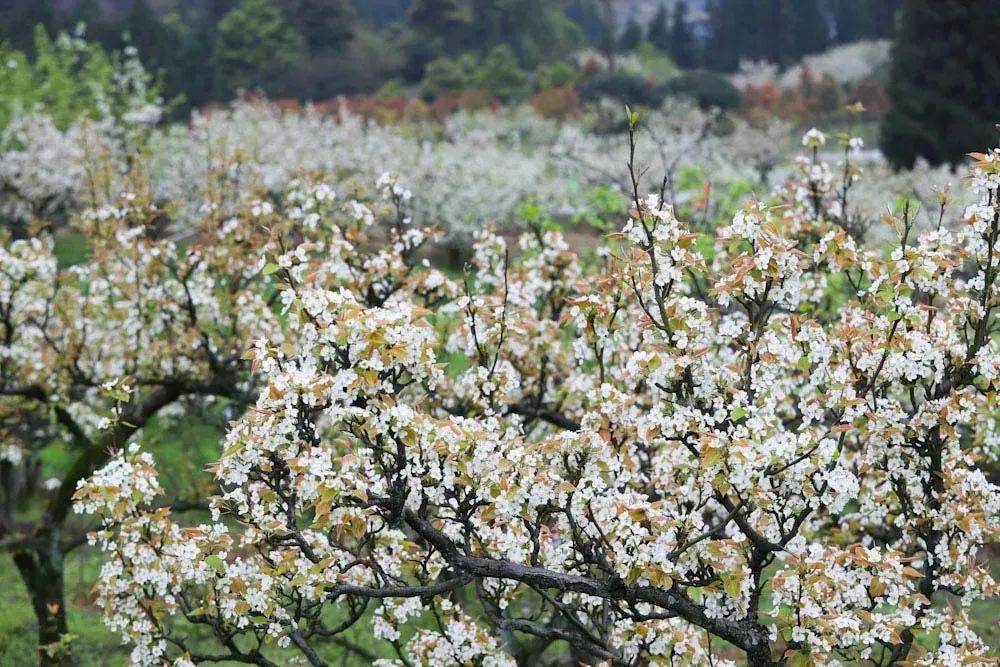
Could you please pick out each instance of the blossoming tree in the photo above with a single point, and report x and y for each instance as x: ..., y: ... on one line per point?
x: 764, y: 442
x: 93, y: 352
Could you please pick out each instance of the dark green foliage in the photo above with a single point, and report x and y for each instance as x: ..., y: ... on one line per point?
x: 883, y: 13
x: 747, y: 29
x: 945, y: 81
x: 498, y: 74
x: 331, y: 47
x: 708, y: 89
x: 215, y: 9
x: 555, y: 75
x: 659, y: 33
x: 781, y: 31
x: 438, y: 28
x: 146, y: 32
x: 683, y: 48
x: 533, y: 34
x: 186, y: 67
x: 554, y: 39
x: 852, y: 19
x: 606, y: 41
x: 536, y: 32
x: 436, y: 14
x: 165, y: 46
x: 336, y: 58
x: 444, y: 23
x: 586, y: 15
x: 324, y: 24
x: 448, y: 76
x: 176, y: 46
x: 19, y: 18
x: 181, y: 42
x: 380, y: 13
x: 729, y: 36
x: 253, y: 42
x: 631, y: 37
x: 623, y: 87
x: 501, y: 75
x: 805, y: 29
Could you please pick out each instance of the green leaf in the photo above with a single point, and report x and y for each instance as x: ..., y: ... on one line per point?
x: 633, y: 117
x: 270, y: 268
x: 712, y: 455
x: 235, y: 448
x: 800, y: 659
x: 119, y: 395
x: 732, y: 584
x: 215, y: 562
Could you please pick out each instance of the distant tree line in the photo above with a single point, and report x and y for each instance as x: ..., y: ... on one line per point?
x: 779, y: 31
x: 205, y: 50
x: 944, y: 80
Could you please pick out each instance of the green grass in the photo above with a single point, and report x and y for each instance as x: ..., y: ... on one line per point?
x: 93, y: 644
x: 183, y: 448
x: 985, y: 614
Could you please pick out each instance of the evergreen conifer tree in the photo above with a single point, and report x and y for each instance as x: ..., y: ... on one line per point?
x: 658, y: 33
x: 631, y: 37
x: 944, y: 83
x: 683, y: 48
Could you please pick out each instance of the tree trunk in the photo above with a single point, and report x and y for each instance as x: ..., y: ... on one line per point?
x: 41, y: 570
x: 759, y: 655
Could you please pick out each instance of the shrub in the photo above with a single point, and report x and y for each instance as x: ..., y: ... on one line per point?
x: 253, y: 41
x: 448, y: 76
x: 470, y: 100
x: 392, y: 88
x: 708, y: 89
x: 555, y: 75
x: 654, y: 63
x: 813, y: 100
x: 624, y: 87
x: 501, y: 75
x: 558, y: 103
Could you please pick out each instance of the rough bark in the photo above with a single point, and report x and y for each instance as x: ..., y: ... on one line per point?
x: 41, y: 569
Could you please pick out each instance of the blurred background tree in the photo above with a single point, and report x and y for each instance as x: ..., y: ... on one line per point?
x: 658, y: 33
x: 631, y: 37
x: 501, y: 75
x: 253, y: 42
x: 682, y: 44
x: 324, y: 24
x: 945, y: 81
x: 347, y: 46
x: 854, y: 19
